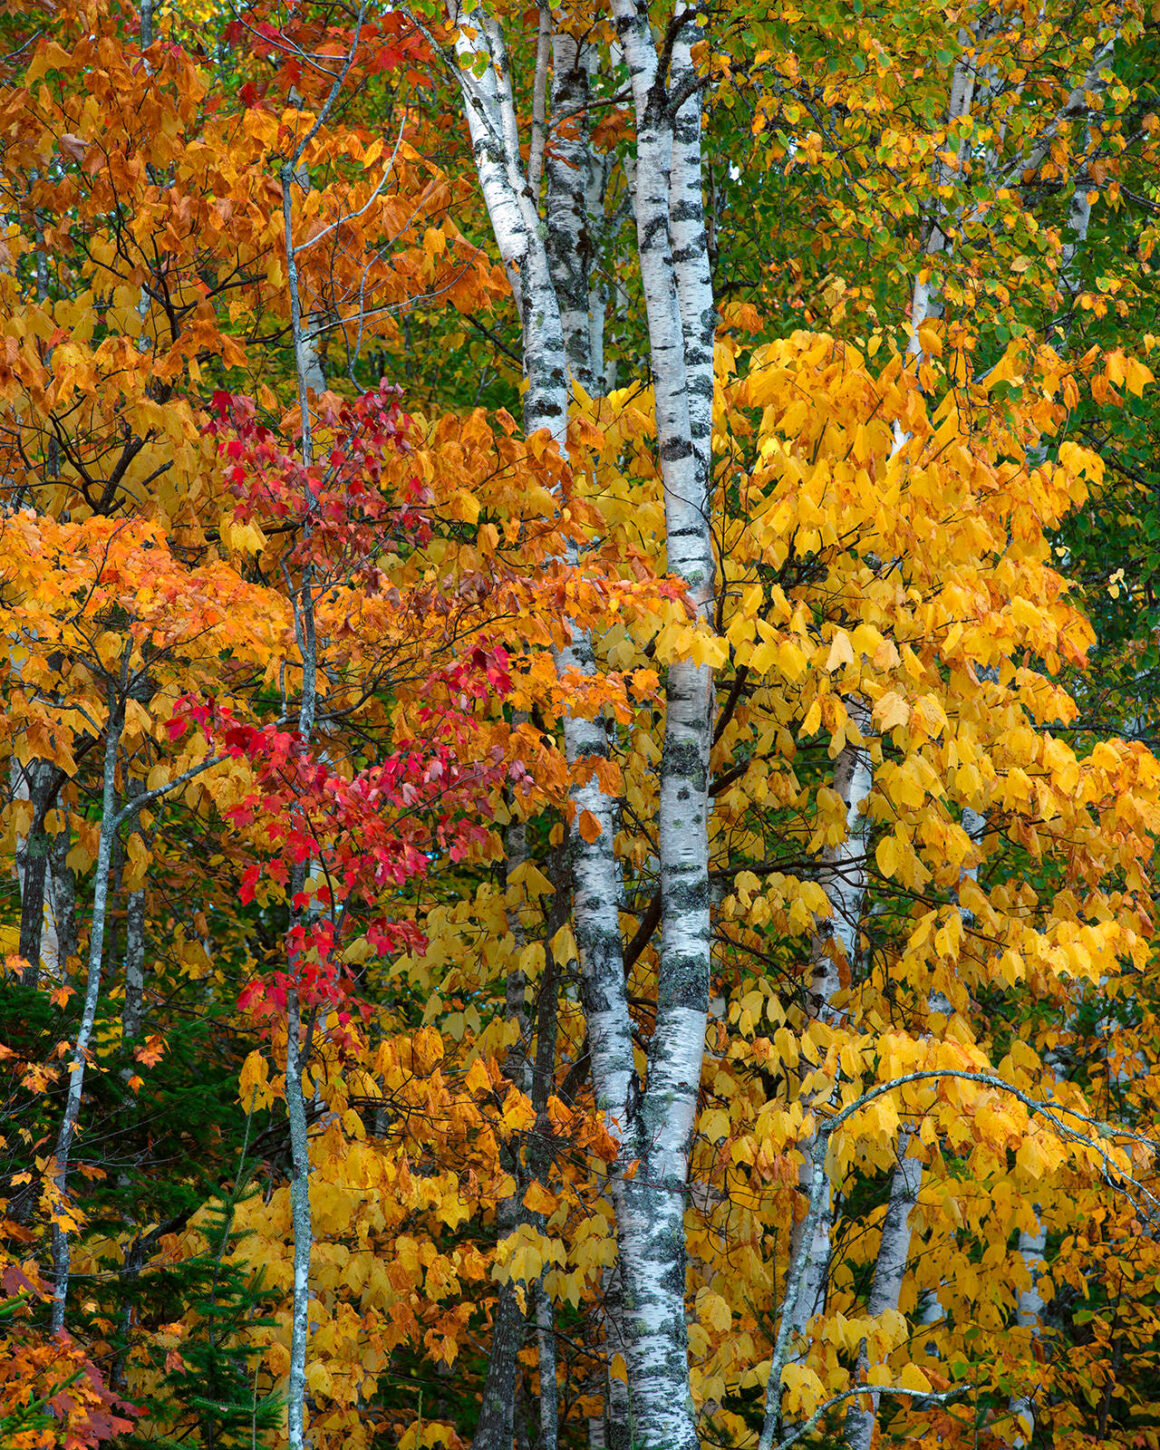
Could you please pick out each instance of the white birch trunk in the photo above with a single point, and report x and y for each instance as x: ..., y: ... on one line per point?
x: 889, y: 1272
x: 302, y: 1226
x: 843, y: 876
x: 497, y: 1422
x: 550, y: 286
x: 61, y: 1249
x: 651, y: 1205
x: 490, y: 115
x: 924, y: 295
x: 307, y: 367
x: 569, y: 243
x: 1032, y: 1245
x: 691, y: 253
x: 1028, y: 1312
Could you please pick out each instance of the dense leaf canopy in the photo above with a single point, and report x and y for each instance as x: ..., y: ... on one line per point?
x: 580, y: 593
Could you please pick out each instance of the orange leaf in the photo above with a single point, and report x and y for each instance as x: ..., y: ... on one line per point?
x: 539, y: 1200
x: 151, y: 1050
x: 589, y: 826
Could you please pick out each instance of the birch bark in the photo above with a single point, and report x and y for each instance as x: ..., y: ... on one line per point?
x: 1032, y: 1245
x: 497, y: 1405
x: 61, y: 1249
x: 307, y: 365
x: 296, y: 1051
x: 548, y: 277
x: 674, y: 275
x: 843, y: 876
x: 38, y: 783
x: 650, y: 1207
x: 906, y: 1178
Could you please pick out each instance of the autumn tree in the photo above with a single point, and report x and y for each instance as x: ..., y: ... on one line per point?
x: 577, y: 713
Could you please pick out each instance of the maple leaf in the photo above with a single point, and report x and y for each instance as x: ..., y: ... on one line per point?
x: 151, y: 1051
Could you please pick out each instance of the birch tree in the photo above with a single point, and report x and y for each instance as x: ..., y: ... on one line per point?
x: 655, y: 1124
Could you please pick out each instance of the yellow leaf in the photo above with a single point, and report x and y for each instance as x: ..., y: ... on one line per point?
x: 841, y: 651
x: 618, y: 1369
x: 564, y: 945
x: 518, y: 1113
x: 476, y: 1079
x: 709, y: 650
x: 1137, y: 376
x: 252, y: 1076
x: 531, y: 878
x: 715, y: 1313
x: 912, y: 1378
x: 891, y: 710
x: 464, y: 506
x: 109, y: 648
x: 715, y: 1124
x: 318, y: 1377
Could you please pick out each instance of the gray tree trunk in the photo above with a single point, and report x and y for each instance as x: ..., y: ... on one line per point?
x: 37, y: 782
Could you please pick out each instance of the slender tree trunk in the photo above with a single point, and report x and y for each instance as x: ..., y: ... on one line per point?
x: 63, y: 896
x: 61, y: 1249
x: 889, y: 1271
x: 568, y: 242
x: 549, y: 1390
x: 133, y: 1009
x: 535, y: 277
x: 543, y: 1076
x: 301, y: 1222
x: 496, y: 1423
x: 843, y: 876
x: 132, y: 1021
x: 307, y: 366
x: 133, y: 1012
x: 37, y: 782
x: 650, y: 1206
x: 690, y: 245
